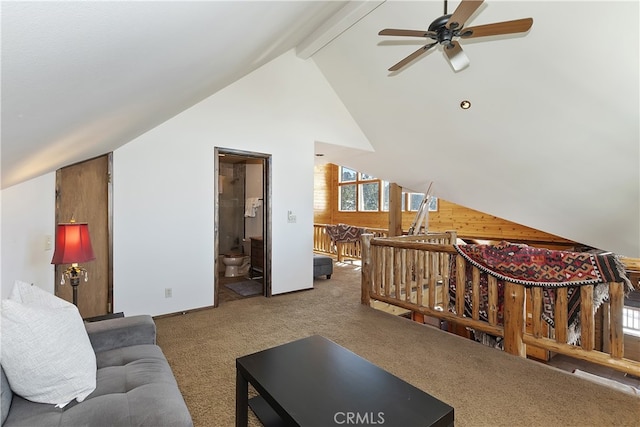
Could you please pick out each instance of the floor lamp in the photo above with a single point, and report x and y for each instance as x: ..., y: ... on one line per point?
x: 73, y: 246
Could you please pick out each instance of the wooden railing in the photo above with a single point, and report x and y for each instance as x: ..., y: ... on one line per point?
x: 347, y: 250
x: 412, y: 272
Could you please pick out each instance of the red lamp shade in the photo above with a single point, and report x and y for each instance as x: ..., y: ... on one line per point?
x: 73, y: 244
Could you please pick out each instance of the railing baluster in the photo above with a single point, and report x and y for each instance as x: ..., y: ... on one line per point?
x: 432, y: 279
x: 461, y: 284
x: 445, y: 283
x: 397, y: 271
x: 514, y: 319
x: 616, y: 334
x: 365, y: 286
x: 475, y: 293
x: 560, y: 318
x: 587, y: 323
x: 408, y: 271
x: 387, y: 266
x: 536, y: 304
x: 419, y: 278
x: 378, y: 261
x: 493, y: 300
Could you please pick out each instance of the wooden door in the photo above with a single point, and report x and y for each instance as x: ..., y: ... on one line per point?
x: 83, y: 193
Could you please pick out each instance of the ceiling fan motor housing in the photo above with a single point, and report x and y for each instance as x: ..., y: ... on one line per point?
x: 444, y: 34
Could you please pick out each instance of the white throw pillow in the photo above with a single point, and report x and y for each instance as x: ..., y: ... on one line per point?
x: 46, y: 352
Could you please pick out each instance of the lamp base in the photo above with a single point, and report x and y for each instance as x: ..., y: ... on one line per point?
x: 75, y: 282
x: 73, y: 273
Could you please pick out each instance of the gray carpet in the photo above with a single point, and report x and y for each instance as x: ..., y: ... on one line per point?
x: 246, y: 288
x: 486, y: 387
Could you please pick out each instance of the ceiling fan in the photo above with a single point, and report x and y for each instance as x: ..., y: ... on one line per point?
x: 448, y: 27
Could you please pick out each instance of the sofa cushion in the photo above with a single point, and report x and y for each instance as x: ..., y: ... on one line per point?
x: 135, y: 387
x: 46, y: 353
x: 7, y: 395
x: 121, y: 332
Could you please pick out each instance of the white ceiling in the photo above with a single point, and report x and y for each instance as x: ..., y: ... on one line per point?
x: 551, y: 140
x: 80, y: 79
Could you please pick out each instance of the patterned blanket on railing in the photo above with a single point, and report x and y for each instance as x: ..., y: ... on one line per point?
x: 531, y: 266
x: 548, y: 295
x: 344, y: 233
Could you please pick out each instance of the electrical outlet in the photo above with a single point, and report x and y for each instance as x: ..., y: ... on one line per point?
x: 168, y: 292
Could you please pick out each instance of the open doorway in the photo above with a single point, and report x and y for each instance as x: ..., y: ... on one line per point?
x: 242, y: 224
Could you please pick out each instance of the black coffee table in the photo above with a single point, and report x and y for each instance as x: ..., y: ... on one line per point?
x: 315, y: 382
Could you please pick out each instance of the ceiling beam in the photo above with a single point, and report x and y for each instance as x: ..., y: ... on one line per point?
x: 341, y: 21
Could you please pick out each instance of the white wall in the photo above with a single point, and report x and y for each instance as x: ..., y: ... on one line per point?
x: 28, y: 217
x: 163, y: 185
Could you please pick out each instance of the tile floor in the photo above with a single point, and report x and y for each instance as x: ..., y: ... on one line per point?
x: 225, y: 294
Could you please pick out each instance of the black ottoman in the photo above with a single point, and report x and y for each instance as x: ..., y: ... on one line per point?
x: 322, y: 265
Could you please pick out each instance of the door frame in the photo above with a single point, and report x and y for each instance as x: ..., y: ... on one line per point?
x: 266, y: 206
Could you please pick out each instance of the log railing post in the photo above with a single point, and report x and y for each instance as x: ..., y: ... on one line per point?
x: 453, y: 237
x: 395, y: 210
x: 366, y: 268
x: 514, y: 319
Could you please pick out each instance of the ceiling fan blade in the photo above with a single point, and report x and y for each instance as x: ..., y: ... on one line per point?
x: 457, y: 58
x: 407, y: 33
x: 413, y: 56
x: 506, y: 27
x: 464, y: 10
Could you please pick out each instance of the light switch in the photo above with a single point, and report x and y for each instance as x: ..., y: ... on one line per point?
x: 47, y: 242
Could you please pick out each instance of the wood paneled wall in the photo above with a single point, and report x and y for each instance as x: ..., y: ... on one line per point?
x: 468, y: 223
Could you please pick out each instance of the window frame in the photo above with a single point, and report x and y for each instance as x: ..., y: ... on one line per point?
x: 406, y: 202
x: 360, y: 180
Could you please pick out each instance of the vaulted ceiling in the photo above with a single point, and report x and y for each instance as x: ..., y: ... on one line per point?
x: 551, y: 139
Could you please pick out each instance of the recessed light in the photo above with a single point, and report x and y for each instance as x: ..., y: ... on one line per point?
x: 465, y: 105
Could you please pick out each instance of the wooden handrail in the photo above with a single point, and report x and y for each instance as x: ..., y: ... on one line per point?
x: 352, y: 250
x: 412, y: 273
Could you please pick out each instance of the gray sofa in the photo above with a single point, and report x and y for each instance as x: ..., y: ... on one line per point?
x: 135, y: 385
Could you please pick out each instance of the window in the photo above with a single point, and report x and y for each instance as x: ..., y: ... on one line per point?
x: 370, y: 196
x: 347, y: 175
x: 361, y: 192
x: 347, y: 197
x: 415, y: 199
x: 365, y: 177
x: 631, y: 320
x: 385, y: 196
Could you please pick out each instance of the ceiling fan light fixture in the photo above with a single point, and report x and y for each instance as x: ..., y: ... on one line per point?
x: 465, y: 105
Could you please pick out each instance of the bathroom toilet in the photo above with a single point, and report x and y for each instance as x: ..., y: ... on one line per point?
x: 237, y: 264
